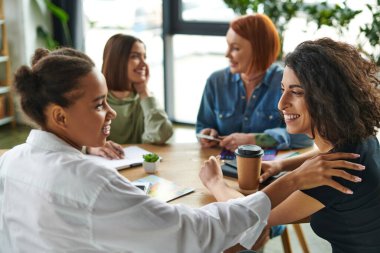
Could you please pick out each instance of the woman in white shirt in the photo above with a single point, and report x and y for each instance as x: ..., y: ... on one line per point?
x: 52, y: 199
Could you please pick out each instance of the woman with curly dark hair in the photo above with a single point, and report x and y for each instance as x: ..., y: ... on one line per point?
x: 332, y: 94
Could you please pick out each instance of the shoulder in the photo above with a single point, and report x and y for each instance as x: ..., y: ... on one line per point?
x: 369, y: 156
x: 94, y: 169
x: 366, y: 147
x: 88, y: 177
x: 369, y: 151
x: 370, y: 144
x: 219, y: 72
x: 15, y: 153
x: 276, y: 68
x: 273, y: 75
x: 8, y: 157
x: 221, y: 77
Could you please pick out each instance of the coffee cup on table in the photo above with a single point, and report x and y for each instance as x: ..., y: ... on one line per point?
x: 248, y: 158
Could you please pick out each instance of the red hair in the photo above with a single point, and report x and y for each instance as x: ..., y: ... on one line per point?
x: 260, y: 31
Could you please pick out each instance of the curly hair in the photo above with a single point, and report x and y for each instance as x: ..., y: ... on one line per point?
x: 53, y: 78
x: 341, y: 90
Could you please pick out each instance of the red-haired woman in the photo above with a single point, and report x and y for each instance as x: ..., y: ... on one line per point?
x: 240, y: 101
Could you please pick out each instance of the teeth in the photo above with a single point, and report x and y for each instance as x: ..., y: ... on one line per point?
x: 291, y: 116
x: 107, y: 129
x: 141, y: 71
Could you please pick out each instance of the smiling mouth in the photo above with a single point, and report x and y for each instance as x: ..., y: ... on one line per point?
x: 291, y: 117
x: 106, y: 130
x: 140, y: 71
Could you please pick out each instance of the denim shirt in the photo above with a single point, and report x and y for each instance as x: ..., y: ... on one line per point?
x: 224, y: 108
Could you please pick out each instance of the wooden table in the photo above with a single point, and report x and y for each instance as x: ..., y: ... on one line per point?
x: 181, y: 164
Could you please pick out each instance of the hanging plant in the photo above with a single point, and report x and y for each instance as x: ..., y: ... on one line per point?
x: 62, y: 16
x: 338, y: 16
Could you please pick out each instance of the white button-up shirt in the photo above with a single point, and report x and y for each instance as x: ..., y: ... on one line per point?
x: 52, y: 199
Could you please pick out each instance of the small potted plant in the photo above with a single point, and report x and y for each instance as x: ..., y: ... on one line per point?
x: 151, y: 162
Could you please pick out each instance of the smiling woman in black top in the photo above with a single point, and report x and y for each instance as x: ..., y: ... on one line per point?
x: 332, y: 94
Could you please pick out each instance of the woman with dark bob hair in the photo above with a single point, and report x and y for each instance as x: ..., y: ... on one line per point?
x: 54, y: 199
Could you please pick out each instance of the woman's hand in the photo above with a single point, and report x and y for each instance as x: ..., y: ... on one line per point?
x: 232, y: 141
x: 211, y: 172
x: 142, y: 87
x: 269, y: 169
x: 110, y: 150
x: 209, y: 143
x: 320, y: 169
x: 314, y: 172
x: 272, y: 168
x: 212, y: 177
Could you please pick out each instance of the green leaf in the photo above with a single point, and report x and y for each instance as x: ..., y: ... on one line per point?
x: 57, y: 11
x: 338, y: 16
x: 50, y: 43
x: 151, y: 157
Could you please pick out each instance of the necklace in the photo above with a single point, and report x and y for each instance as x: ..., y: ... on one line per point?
x: 252, y: 79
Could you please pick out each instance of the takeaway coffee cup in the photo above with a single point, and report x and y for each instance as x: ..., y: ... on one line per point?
x: 248, y: 158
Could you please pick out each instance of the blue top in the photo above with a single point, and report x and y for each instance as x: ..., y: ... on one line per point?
x: 351, y: 222
x: 224, y: 108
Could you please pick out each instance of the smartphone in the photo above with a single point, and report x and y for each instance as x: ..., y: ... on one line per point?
x: 227, y: 155
x: 269, y: 154
x: 208, y: 137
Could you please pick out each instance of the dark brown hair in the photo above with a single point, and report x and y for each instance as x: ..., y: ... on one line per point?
x: 261, y: 32
x: 115, y: 61
x: 341, y: 89
x: 52, y: 79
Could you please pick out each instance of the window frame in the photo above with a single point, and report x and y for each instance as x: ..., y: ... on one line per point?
x: 174, y: 24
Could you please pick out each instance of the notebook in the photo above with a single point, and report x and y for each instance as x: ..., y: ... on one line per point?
x: 133, y: 157
x: 163, y: 189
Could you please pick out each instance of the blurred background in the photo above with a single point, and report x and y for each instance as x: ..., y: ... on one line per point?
x: 185, y: 39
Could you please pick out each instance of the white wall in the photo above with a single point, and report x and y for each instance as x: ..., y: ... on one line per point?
x: 22, y: 18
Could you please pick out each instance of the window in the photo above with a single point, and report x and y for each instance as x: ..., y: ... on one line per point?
x: 194, y: 41
x: 195, y: 58
x: 142, y: 19
x: 205, y: 11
